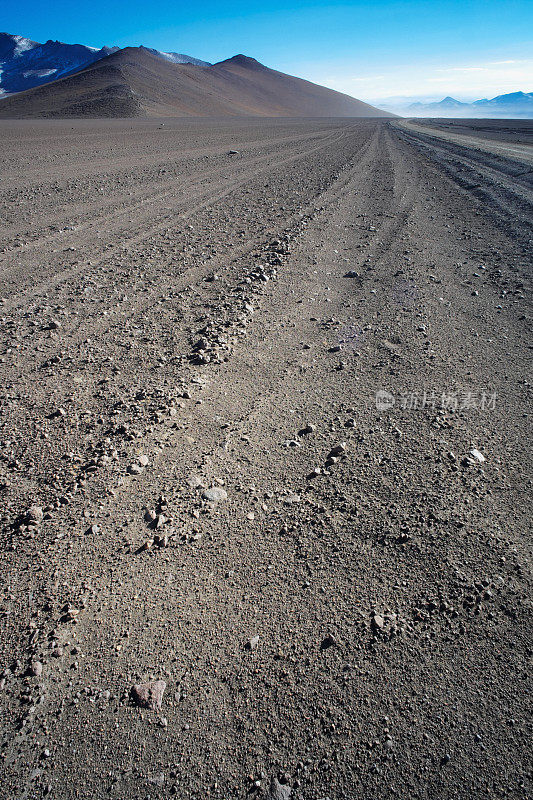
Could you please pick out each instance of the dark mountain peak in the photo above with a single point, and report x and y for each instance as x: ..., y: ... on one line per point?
x: 241, y: 60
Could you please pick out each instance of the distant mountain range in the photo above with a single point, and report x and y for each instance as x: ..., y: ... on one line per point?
x: 25, y: 63
x: 139, y: 82
x: 513, y: 105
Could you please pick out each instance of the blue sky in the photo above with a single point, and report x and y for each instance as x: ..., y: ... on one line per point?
x: 372, y: 50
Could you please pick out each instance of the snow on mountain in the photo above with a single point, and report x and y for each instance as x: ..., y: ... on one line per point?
x: 177, y: 58
x: 25, y: 64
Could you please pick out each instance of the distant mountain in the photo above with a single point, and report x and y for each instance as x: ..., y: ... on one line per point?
x: 519, y: 100
x: 513, y: 105
x: 25, y: 64
x: 134, y: 82
x: 447, y: 103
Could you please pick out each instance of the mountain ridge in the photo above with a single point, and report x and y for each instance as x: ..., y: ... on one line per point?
x: 25, y: 64
x: 134, y: 82
x: 513, y: 102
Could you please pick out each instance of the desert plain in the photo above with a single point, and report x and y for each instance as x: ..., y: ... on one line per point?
x: 264, y: 459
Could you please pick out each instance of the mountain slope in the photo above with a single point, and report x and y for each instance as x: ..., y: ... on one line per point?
x: 134, y: 82
x: 25, y: 63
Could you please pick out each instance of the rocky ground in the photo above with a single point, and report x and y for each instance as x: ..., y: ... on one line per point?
x: 264, y: 462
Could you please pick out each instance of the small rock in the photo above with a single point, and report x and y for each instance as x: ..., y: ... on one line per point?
x: 94, y: 529
x: 292, y: 498
x: 35, y: 514
x: 134, y: 469
x: 279, y: 791
x: 215, y: 494
x: 252, y: 643
x: 149, y: 695
x: 477, y: 455
x: 378, y: 622
x: 338, y: 450
x: 143, y: 461
x: 35, y: 669
x: 329, y: 641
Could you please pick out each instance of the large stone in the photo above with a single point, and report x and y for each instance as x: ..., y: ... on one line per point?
x: 149, y: 695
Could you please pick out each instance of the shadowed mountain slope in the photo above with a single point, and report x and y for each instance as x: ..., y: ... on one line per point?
x: 134, y: 82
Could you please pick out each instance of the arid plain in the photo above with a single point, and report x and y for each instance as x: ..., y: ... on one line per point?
x: 264, y: 459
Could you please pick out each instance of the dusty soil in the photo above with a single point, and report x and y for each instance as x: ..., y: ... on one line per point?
x: 315, y: 594
x: 519, y: 131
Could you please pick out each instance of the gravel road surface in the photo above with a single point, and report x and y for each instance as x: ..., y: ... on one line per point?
x: 264, y: 462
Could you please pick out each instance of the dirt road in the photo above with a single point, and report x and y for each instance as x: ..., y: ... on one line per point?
x: 264, y: 457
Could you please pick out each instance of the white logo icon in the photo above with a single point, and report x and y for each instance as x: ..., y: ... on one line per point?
x: 384, y: 400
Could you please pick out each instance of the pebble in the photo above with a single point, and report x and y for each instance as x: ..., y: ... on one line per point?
x: 149, y: 695
x: 329, y: 641
x: 279, y: 791
x: 378, y: 622
x: 474, y: 457
x: 36, y: 669
x: 338, y: 450
x: 215, y: 494
x: 292, y: 498
x: 351, y: 274
x: 94, y: 529
x: 35, y: 514
x: 252, y: 643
